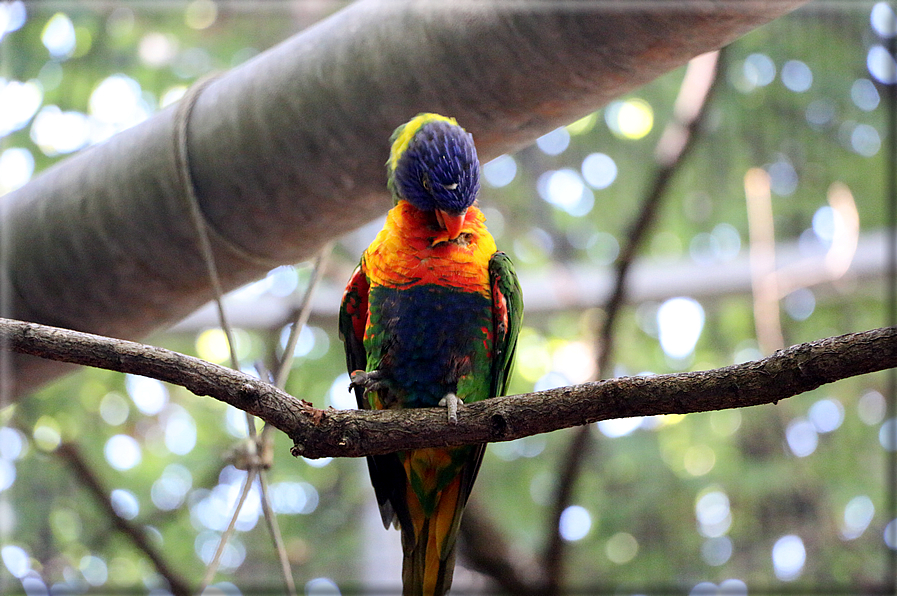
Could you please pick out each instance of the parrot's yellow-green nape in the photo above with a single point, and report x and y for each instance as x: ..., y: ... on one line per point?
x: 403, y: 134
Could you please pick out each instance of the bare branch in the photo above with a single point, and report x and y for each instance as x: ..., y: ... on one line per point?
x: 701, y: 79
x: 86, y: 476
x: 354, y: 433
x: 487, y: 550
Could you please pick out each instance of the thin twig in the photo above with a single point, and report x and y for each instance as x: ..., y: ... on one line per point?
x: 216, y: 560
x: 84, y: 473
x: 276, y: 536
x: 701, y: 77
x: 262, y: 458
x: 265, y: 438
x: 354, y: 433
x: 301, y: 316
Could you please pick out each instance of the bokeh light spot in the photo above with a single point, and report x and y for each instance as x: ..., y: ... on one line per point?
x: 621, y: 548
x: 47, y: 434
x: 575, y: 523
x: 500, y: 171
x: 212, y: 345
x: 172, y: 94
x: 619, y: 427
x: 733, y: 587
x: 887, y: 434
x: 881, y: 65
x: 858, y: 514
x: 180, y: 430
x: 340, y: 396
x: 883, y: 19
x: 16, y: 168
x: 699, y: 460
x: 864, y: 95
x: 321, y: 586
x: 716, y: 551
x: 149, y: 395
x: 12, y: 444
x: 782, y: 178
x: 233, y: 554
x: 630, y: 119
x: 820, y: 113
x: 599, y: 170
x: 871, y: 408
x: 114, y: 409
x: 583, y: 125
x: 759, y: 70
x: 7, y: 474
x: 200, y: 14
x: 800, y: 304
x: 116, y: 104
x: 16, y: 560
x: 679, y: 325
x: 788, y: 557
x: 18, y: 103
x: 12, y: 16
x: 602, y: 248
x: 713, y: 514
x: 865, y: 140
x: 125, y: 503
x: 554, y: 142
x: 294, y: 498
x: 122, y: 452
x: 170, y: 489
x: 56, y: 132
x: 58, y: 36
x: 826, y: 415
x: 157, y: 49
x: 801, y: 437
x: 235, y: 423
x: 890, y: 534
x: 797, y: 76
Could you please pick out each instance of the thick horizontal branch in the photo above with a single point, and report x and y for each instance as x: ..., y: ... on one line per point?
x: 352, y: 433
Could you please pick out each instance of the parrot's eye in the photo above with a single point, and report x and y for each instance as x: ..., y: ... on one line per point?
x: 425, y: 182
x: 451, y: 186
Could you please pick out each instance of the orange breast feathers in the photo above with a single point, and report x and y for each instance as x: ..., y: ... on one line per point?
x: 412, y: 249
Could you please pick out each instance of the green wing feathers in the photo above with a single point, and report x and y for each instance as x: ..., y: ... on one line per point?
x: 507, y: 315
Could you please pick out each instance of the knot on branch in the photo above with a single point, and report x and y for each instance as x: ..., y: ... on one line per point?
x: 498, y: 426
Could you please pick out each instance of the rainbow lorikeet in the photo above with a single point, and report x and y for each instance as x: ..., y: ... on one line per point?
x: 430, y: 318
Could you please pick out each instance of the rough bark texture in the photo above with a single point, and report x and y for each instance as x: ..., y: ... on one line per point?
x: 353, y: 433
x: 287, y: 150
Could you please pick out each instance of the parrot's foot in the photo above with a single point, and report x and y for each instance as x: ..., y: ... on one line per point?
x: 369, y: 381
x: 451, y: 402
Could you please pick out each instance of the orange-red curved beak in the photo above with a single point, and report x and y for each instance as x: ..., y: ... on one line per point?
x: 452, y: 223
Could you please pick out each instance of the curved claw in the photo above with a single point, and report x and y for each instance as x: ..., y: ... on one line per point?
x: 369, y: 381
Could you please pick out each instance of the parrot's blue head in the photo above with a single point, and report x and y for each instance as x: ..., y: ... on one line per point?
x: 433, y: 165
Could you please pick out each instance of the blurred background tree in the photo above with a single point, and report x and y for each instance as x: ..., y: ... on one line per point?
x: 792, y: 497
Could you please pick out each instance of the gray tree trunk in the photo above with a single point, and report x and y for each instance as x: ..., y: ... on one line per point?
x: 286, y: 151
